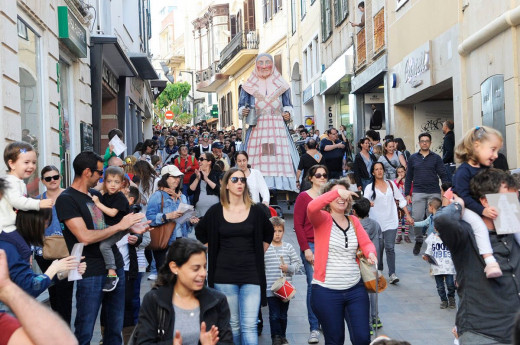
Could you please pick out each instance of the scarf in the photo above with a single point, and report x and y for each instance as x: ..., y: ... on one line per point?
x: 171, y: 151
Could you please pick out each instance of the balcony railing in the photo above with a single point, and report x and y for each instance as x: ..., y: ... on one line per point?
x: 241, y: 41
x: 207, y: 73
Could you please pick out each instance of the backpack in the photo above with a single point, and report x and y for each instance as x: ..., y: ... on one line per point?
x: 179, y: 160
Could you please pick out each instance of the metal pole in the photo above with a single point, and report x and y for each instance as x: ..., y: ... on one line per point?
x: 193, y: 98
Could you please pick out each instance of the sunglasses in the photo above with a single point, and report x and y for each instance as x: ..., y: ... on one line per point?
x: 100, y: 172
x: 202, y: 159
x: 50, y: 178
x: 236, y: 179
x: 318, y: 175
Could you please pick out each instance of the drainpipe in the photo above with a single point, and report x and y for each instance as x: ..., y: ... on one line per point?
x: 508, y: 19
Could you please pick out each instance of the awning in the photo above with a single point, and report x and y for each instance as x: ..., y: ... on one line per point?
x: 157, y: 86
x: 114, y: 56
x: 143, y: 66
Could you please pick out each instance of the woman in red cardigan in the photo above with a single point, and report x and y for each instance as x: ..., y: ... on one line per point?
x: 317, y: 176
x: 338, y: 292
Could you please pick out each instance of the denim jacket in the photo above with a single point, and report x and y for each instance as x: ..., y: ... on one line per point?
x: 154, y: 213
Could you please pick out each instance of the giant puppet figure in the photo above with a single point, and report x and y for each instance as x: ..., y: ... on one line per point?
x: 270, y: 147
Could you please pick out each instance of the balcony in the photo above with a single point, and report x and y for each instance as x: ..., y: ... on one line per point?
x: 242, y: 49
x: 210, y: 79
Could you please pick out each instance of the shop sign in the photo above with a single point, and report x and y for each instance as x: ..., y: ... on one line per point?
x: 330, y: 117
x: 374, y: 98
x: 71, y: 32
x: 415, y: 66
x: 308, y: 93
x: 110, y: 79
x: 135, y: 91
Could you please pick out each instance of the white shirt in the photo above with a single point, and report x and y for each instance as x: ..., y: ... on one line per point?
x: 257, y: 186
x: 15, y: 196
x: 384, y: 210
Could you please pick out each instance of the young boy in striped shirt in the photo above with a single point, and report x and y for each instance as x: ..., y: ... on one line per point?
x: 274, y: 269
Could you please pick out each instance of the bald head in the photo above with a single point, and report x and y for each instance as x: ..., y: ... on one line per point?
x: 115, y: 162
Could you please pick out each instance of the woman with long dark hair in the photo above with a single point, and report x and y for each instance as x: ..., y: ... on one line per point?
x: 198, y: 314
x: 363, y: 164
x: 30, y: 230
x: 148, y: 180
x: 205, y: 184
x: 170, y: 150
x: 317, y: 176
x: 255, y: 181
x: 237, y: 232
x: 60, y: 293
x: 148, y: 150
x: 383, y: 195
x: 310, y: 158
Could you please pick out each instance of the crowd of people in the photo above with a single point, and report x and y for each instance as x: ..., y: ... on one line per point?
x: 191, y: 207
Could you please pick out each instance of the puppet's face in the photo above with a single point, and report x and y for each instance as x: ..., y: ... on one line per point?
x: 264, y: 67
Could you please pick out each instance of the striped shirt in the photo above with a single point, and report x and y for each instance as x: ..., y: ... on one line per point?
x: 342, y: 270
x: 273, y: 262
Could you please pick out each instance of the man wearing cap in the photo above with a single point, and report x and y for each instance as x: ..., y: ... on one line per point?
x: 216, y: 148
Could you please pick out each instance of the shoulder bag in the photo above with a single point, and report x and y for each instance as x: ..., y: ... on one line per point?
x: 400, y: 213
x: 371, y: 279
x: 160, y: 235
x: 54, y: 246
x: 161, y: 327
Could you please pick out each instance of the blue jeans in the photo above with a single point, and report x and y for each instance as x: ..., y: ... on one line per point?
x: 185, y: 192
x: 277, y: 316
x: 89, y: 297
x: 309, y: 271
x: 334, y: 306
x: 244, y: 303
x: 450, y: 284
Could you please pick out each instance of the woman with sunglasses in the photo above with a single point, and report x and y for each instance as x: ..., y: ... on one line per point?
x: 316, y: 176
x: 237, y: 232
x: 205, y: 184
x: 338, y: 292
x: 383, y: 195
x: 255, y: 181
x: 60, y: 293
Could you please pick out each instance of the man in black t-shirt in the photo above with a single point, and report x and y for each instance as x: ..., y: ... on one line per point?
x: 332, y: 150
x: 85, y: 223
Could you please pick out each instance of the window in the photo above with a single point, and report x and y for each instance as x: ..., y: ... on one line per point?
x: 316, y: 56
x: 303, y: 8
x: 340, y: 11
x: 311, y: 62
x: 361, y: 49
x: 326, y: 19
x: 266, y: 6
x: 306, y: 73
x: 249, y: 15
x: 379, y: 30
x: 293, y: 16
x: 30, y: 97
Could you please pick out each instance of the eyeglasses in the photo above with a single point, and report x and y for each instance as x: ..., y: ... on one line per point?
x: 319, y: 175
x: 236, y: 179
x: 50, y: 178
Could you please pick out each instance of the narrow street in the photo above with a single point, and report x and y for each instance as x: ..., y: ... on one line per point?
x: 409, y: 310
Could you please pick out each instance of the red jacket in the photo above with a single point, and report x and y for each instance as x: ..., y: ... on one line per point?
x: 322, y: 222
x: 302, y: 225
x: 183, y: 163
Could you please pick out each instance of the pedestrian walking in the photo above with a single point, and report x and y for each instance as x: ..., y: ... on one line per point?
x: 317, y: 177
x: 448, y: 148
x: 361, y: 209
x: 170, y: 151
x: 363, y: 164
x: 338, y: 292
x: 403, y: 227
x: 477, y: 151
x: 180, y: 308
x: 237, y: 233
x: 310, y: 158
x: 384, y: 196
x: 333, y: 149
x: 280, y: 260
x: 391, y: 160
x: 255, y: 181
x: 205, y: 184
x: 424, y: 170
x: 60, y: 293
x: 187, y: 164
x: 84, y: 222
x: 487, y: 307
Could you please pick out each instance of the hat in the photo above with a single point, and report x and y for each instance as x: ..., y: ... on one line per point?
x: 171, y: 170
x: 217, y: 145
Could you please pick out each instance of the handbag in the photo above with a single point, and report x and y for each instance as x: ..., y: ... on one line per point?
x: 400, y: 212
x: 371, y: 278
x: 54, y: 247
x: 282, y: 288
x: 160, y: 236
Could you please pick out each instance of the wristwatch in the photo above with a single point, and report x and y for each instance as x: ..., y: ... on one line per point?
x: 457, y: 205
x: 164, y: 217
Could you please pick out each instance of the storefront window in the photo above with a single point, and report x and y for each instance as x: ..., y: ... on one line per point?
x: 30, y: 97
x: 345, y: 116
x: 64, y: 108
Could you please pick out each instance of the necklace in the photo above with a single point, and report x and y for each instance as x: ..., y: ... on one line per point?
x: 192, y: 314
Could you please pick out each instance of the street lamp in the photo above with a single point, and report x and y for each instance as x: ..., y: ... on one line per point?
x: 192, y: 93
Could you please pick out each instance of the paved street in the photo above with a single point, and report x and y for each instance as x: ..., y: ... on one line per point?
x: 409, y: 310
